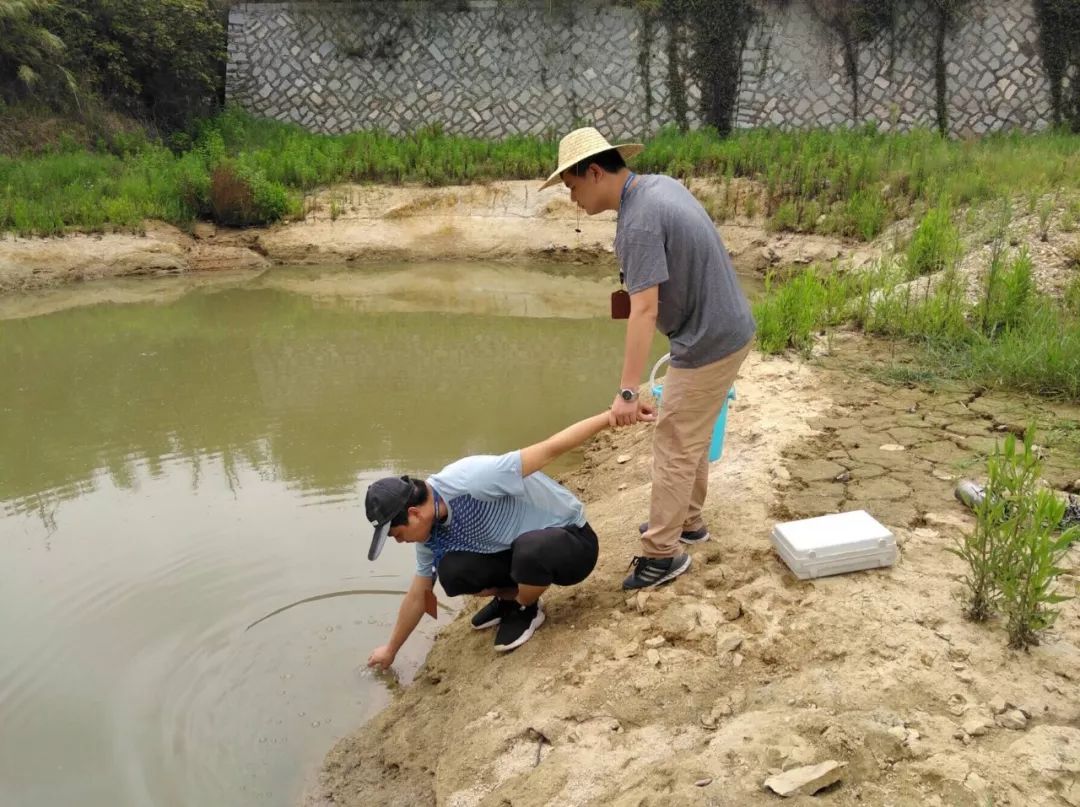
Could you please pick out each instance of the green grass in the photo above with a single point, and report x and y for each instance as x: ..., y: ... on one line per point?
x: 849, y: 183
x: 1012, y: 336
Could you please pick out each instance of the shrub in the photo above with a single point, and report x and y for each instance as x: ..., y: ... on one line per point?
x: 241, y: 196
x: 1014, y: 551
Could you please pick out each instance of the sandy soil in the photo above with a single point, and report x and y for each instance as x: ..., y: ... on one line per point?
x: 695, y: 694
x: 365, y: 224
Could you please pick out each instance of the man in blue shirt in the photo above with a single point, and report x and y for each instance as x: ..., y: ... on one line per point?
x: 487, y: 525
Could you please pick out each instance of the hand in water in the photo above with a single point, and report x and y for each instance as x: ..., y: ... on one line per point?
x: 381, y: 657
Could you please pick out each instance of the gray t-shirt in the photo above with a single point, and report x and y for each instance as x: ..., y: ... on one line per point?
x: 665, y: 238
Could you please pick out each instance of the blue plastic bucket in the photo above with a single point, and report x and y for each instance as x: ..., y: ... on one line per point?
x: 716, y: 445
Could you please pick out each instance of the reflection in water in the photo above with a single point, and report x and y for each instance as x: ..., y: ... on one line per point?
x: 270, y: 380
x: 176, y: 471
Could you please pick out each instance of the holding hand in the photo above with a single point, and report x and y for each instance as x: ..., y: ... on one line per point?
x: 626, y: 413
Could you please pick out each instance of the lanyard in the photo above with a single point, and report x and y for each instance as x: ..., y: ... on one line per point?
x: 626, y: 187
x: 435, y: 497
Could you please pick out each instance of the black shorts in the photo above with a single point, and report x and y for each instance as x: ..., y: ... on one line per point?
x: 561, y: 555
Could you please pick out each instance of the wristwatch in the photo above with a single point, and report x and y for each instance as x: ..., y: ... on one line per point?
x: 628, y: 394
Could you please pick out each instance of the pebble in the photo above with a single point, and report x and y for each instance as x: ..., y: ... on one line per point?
x: 655, y: 641
x: 957, y: 704
x: 731, y: 609
x: 654, y: 657
x: 892, y: 447
x: 703, y: 782
x: 627, y: 651
x: 737, y: 660
x: 1013, y: 719
x: 623, y: 486
x: 622, y: 459
x: 965, y: 676
x: 728, y: 642
x: 806, y: 780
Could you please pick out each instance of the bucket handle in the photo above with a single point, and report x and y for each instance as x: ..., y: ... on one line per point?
x: 652, y: 376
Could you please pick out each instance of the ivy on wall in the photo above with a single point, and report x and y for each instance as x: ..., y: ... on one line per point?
x: 704, y: 41
x: 856, y: 23
x: 1059, y: 40
x: 946, y: 16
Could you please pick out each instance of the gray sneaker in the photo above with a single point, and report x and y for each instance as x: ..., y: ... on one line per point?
x: 687, y: 536
x: 651, y: 572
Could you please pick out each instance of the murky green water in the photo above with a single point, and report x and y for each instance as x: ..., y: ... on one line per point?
x: 174, y: 468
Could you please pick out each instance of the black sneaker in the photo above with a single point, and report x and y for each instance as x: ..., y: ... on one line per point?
x: 489, y: 615
x: 651, y: 572
x: 518, y: 625
x: 687, y: 537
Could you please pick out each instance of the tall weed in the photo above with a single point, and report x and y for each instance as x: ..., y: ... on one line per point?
x: 935, y: 246
x: 1013, y: 553
x: 789, y: 313
x: 1008, y: 292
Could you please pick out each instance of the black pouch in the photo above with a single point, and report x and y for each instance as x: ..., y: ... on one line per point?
x: 620, y: 304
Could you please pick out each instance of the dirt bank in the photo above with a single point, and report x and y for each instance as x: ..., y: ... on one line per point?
x: 355, y: 224
x: 694, y: 694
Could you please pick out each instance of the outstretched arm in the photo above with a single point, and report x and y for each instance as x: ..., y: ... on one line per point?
x: 537, y: 456
x: 409, y: 615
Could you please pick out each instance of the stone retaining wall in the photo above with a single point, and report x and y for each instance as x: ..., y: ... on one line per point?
x: 490, y: 69
x: 794, y: 73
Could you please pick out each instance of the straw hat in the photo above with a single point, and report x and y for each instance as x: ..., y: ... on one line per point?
x: 582, y: 143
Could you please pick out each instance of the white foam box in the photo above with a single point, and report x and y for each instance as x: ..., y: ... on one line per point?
x: 834, y: 544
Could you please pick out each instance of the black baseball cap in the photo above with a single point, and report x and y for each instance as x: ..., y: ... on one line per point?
x: 385, y: 499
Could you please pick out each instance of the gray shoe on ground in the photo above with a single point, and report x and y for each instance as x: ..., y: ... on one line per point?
x: 687, y: 536
x: 652, y: 572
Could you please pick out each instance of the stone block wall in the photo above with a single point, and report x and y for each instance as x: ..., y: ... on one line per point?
x: 794, y: 73
x: 489, y: 68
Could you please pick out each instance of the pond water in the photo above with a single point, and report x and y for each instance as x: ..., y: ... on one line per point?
x: 181, y: 457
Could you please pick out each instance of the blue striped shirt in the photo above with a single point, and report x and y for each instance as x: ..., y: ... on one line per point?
x: 489, y: 505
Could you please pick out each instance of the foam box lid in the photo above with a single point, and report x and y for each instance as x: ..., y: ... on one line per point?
x: 835, y: 534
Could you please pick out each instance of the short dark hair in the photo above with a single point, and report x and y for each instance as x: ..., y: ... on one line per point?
x: 417, y: 496
x: 610, y: 161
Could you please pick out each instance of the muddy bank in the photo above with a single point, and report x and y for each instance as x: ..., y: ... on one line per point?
x: 695, y: 694
x: 356, y: 224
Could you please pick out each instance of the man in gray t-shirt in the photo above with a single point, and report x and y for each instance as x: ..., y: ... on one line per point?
x: 679, y: 280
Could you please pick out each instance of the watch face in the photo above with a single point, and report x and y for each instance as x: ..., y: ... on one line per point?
x: 627, y: 395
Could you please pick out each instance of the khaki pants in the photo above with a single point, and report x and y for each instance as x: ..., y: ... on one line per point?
x: 692, y: 401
